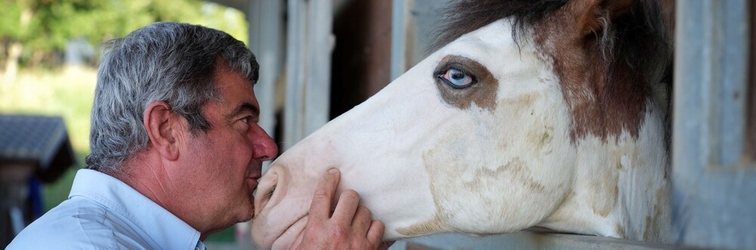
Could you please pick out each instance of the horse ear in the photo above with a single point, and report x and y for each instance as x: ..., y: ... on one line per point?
x: 594, y: 15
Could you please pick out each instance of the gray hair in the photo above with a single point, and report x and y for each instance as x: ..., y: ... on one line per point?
x: 170, y: 62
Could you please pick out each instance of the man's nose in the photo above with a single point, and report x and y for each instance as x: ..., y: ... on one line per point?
x: 265, y: 148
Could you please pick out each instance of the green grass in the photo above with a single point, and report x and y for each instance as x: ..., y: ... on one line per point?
x: 68, y: 93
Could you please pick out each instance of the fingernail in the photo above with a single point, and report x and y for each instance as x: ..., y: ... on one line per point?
x: 333, y: 171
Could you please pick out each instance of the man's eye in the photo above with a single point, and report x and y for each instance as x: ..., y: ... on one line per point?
x: 246, y: 122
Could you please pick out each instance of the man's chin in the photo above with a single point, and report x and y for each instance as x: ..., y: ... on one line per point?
x: 247, y: 215
x: 242, y: 215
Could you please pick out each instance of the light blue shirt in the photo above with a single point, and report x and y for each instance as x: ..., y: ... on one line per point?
x: 104, y: 213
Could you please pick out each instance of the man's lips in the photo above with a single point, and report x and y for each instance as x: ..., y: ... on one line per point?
x: 253, y: 182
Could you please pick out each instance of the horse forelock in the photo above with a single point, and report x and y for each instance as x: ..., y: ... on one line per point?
x: 464, y: 16
x: 608, y: 77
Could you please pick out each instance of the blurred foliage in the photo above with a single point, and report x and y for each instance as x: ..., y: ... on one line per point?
x: 44, y: 27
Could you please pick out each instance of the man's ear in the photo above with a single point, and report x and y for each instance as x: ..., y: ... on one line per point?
x: 163, y: 128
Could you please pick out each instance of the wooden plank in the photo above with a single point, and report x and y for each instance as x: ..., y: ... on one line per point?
x: 265, y: 21
x: 414, y: 24
x: 308, y: 63
x: 524, y: 240
x: 711, y: 182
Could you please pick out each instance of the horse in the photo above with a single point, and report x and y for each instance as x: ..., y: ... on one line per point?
x: 529, y: 114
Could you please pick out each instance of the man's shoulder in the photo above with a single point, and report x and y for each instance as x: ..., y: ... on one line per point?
x: 60, y: 240
x: 74, y: 224
x: 76, y: 213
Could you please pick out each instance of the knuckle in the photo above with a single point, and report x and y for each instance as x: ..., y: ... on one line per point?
x: 339, y: 232
x: 379, y: 226
x: 364, y: 211
x: 320, y: 194
x: 350, y: 194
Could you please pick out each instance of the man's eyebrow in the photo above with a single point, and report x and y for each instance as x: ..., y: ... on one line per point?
x: 248, y: 107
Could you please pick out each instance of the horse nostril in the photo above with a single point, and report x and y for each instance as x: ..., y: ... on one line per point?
x: 269, y: 194
x: 265, y: 190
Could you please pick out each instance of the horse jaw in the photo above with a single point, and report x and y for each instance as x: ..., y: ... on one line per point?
x: 624, y: 186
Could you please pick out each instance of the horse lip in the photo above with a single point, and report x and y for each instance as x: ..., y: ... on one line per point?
x: 291, y: 225
x: 294, y: 222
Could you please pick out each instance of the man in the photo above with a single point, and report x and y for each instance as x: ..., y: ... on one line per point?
x: 176, y: 151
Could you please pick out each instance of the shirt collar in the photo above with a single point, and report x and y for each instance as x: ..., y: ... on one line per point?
x: 158, y: 224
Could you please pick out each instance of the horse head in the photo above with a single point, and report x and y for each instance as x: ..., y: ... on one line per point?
x: 530, y: 113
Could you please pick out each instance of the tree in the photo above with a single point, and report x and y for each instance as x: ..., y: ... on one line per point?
x: 33, y: 32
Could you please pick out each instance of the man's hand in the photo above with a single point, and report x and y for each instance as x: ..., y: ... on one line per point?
x: 350, y: 227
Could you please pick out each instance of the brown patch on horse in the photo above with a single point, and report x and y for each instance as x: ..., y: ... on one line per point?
x: 427, y: 227
x: 606, y: 93
x: 434, y: 224
x: 655, y: 224
x: 604, y: 194
x: 482, y: 93
x: 619, y: 230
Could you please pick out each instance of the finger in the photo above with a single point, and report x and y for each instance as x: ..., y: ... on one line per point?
x: 362, y: 220
x: 346, y: 207
x: 320, y: 207
x: 298, y: 242
x: 375, y: 233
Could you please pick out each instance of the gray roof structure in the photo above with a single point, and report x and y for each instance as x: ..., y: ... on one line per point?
x: 39, y: 140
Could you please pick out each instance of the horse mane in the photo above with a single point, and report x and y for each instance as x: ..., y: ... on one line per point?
x: 638, y: 42
x: 464, y: 16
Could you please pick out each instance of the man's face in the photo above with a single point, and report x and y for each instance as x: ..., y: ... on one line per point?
x: 224, y: 163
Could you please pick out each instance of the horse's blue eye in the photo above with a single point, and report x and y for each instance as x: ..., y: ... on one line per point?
x: 457, y: 78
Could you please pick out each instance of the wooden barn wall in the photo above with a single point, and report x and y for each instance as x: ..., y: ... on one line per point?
x: 751, y: 145
x: 361, y: 57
